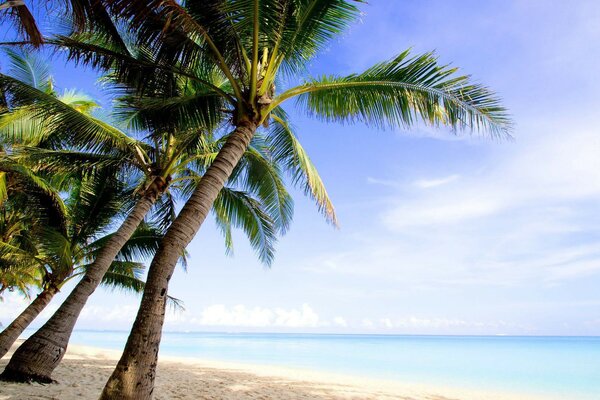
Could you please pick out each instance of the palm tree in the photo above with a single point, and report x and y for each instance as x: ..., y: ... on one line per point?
x: 31, y: 206
x: 166, y: 163
x: 252, y: 43
x: 64, y: 253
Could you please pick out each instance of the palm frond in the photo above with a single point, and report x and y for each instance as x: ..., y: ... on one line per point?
x: 64, y: 161
x: 288, y: 151
x: 164, y: 211
x: 29, y: 68
x: 402, y: 91
x: 239, y: 210
x: 20, y: 126
x: 141, y: 246
x: 60, y: 117
x: 39, y: 191
x: 124, y: 275
x: 299, y: 30
x: 94, y: 203
x: 199, y: 111
x: 176, y: 37
x: 263, y: 177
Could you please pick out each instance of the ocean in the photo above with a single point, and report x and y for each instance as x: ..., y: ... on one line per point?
x: 564, y: 367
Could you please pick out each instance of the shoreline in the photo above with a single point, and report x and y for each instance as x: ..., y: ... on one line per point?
x: 85, y: 369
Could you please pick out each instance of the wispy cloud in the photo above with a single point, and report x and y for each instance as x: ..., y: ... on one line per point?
x: 428, y: 213
x: 257, y: 317
x: 528, y: 215
x: 382, y: 182
x: 431, y: 183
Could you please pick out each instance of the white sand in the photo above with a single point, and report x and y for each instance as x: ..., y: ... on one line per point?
x: 84, y: 371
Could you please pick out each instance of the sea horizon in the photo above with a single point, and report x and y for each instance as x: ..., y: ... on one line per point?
x: 338, y: 333
x: 544, y: 366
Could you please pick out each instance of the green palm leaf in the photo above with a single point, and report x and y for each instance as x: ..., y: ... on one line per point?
x: 36, y: 188
x: 400, y: 92
x: 30, y: 69
x: 126, y: 276
x: 288, y: 151
x: 58, y: 116
x: 263, y: 177
x: 237, y: 209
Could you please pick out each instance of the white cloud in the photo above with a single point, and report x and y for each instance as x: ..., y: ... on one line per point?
x: 367, y: 324
x: 431, y: 183
x: 541, y: 171
x: 527, y: 214
x: 387, y: 323
x: 217, y: 315
x: 253, y: 317
x: 340, y: 321
x: 430, y: 213
x: 382, y: 182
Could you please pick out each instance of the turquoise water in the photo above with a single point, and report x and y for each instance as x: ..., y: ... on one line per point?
x: 566, y: 367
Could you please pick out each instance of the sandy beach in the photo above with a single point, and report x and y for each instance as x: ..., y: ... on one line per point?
x: 84, y: 371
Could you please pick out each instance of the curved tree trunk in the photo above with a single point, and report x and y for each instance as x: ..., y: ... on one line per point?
x: 14, y: 330
x: 39, y: 355
x: 133, y: 378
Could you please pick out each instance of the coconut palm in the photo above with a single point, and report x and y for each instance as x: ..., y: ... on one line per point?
x: 30, y: 205
x: 252, y: 44
x: 166, y: 165
x: 62, y: 253
x: 35, y: 196
x: 20, y: 268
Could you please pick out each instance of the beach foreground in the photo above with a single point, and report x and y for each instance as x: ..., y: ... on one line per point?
x: 85, y: 370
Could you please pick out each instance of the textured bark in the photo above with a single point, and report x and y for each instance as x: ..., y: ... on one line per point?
x: 14, y: 330
x: 133, y: 378
x: 41, y: 353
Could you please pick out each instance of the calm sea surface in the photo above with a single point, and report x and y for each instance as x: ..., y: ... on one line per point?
x: 567, y: 367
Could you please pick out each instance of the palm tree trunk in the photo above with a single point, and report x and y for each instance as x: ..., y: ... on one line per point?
x: 14, y: 330
x: 133, y: 378
x: 39, y: 355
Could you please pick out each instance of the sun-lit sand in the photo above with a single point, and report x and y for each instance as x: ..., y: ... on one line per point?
x: 84, y: 371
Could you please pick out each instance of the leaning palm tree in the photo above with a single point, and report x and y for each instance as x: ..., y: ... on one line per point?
x: 30, y: 206
x: 168, y: 164
x: 252, y: 43
x: 64, y: 253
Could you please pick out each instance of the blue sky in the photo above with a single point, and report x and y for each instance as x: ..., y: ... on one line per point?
x: 439, y: 234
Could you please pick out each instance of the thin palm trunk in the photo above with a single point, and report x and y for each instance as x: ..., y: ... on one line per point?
x: 14, y: 330
x: 41, y: 353
x: 133, y: 378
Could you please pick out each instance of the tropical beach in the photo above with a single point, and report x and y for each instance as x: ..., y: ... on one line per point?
x: 311, y: 199
x: 85, y: 370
